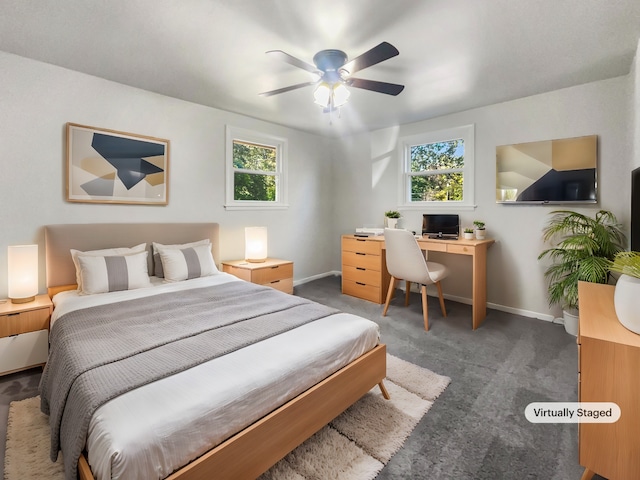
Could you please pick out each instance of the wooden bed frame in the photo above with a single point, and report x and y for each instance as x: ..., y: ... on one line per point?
x: 254, y: 450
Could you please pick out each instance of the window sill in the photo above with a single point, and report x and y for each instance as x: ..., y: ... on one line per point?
x: 439, y: 206
x: 279, y: 206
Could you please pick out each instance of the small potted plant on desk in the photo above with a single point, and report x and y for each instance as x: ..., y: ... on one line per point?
x: 480, y: 231
x: 468, y: 233
x: 391, y: 218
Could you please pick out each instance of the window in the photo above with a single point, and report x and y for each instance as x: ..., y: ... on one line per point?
x: 437, y: 169
x: 256, y: 173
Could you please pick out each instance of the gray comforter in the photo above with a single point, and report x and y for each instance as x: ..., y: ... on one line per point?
x: 101, y: 352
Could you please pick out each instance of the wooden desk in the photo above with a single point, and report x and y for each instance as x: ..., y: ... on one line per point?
x: 608, y: 365
x: 365, y: 275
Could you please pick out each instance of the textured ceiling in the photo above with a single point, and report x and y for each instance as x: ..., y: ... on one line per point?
x: 454, y: 54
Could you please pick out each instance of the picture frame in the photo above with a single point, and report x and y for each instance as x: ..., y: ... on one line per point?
x: 108, y: 166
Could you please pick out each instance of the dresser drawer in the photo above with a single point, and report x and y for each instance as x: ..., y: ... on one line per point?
x: 362, y: 245
x: 273, y: 273
x: 23, y: 351
x: 361, y: 275
x: 364, y: 260
x: 23, y: 322
x: 366, y: 292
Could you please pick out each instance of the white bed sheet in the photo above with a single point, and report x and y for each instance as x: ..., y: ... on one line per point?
x: 153, y: 430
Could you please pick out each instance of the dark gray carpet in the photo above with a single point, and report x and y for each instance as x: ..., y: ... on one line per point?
x: 476, y: 429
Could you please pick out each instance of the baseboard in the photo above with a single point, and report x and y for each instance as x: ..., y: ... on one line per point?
x: 334, y: 273
x: 467, y: 301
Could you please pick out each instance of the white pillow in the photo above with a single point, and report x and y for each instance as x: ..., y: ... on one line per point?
x: 187, y: 263
x: 158, y: 271
x: 98, y: 253
x: 112, y: 273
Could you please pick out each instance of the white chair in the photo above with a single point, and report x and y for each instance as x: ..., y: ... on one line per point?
x: 405, y: 261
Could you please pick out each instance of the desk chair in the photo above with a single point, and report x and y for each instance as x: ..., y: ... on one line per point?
x: 406, y: 261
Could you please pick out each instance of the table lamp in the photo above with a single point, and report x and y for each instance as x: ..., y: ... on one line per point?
x: 22, y: 261
x: 255, y: 244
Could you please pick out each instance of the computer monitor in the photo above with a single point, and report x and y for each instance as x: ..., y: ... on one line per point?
x: 441, y: 225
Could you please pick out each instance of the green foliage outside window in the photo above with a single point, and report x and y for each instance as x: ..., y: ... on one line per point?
x: 432, y: 178
x: 254, y: 178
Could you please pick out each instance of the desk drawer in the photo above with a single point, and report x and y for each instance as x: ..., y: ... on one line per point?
x: 460, y: 249
x: 433, y: 247
x: 366, y: 292
x: 361, y: 275
x: 363, y: 260
x: 362, y: 245
x: 272, y: 274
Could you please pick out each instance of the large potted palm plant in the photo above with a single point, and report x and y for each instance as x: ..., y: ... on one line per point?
x: 582, y: 249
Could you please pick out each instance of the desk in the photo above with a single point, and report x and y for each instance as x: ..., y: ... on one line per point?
x: 365, y: 275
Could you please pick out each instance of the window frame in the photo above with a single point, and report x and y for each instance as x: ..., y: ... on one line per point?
x: 467, y: 134
x: 280, y: 144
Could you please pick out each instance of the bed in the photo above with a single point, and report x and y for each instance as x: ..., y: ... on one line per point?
x: 204, y: 419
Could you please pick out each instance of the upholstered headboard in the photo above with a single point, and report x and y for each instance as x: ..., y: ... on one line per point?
x: 59, y: 239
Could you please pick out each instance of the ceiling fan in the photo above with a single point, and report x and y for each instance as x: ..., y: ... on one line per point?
x: 334, y: 70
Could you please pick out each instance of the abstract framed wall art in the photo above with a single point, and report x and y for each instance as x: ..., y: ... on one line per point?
x: 106, y: 166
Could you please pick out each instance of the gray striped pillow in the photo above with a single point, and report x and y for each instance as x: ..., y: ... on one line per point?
x: 187, y: 263
x: 112, y: 273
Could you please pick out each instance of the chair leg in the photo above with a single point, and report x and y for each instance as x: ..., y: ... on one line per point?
x: 392, y: 287
x: 425, y: 313
x: 442, y: 307
x: 408, y: 291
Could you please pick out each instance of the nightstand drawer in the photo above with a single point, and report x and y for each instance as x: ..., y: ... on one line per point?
x: 23, y: 351
x: 23, y: 322
x: 285, y: 285
x: 361, y: 290
x: 364, y: 260
x: 361, y: 275
x: 273, y: 273
x: 362, y: 246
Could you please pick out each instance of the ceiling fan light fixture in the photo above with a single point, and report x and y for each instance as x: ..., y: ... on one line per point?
x: 331, y: 96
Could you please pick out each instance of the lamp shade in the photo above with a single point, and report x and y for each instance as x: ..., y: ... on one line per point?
x: 255, y: 244
x: 340, y: 95
x: 23, y: 272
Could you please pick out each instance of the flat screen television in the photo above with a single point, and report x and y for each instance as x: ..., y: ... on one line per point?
x: 440, y: 225
x: 552, y: 171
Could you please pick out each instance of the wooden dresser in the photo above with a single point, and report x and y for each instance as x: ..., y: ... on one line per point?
x: 608, y: 371
x: 364, y: 272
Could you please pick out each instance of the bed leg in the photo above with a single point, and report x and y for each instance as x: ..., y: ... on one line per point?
x: 384, y: 391
x: 84, y: 470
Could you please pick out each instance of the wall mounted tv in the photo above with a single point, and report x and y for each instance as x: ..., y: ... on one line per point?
x: 552, y: 171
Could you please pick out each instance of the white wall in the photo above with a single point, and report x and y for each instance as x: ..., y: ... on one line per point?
x: 36, y: 101
x: 367, y: 183
x: 635, y: 105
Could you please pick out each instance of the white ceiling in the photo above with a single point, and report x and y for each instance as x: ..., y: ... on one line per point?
x: 454, y: 54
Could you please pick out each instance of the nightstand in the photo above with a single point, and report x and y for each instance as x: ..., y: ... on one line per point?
x: 272, y: 272
x: 24, y: 334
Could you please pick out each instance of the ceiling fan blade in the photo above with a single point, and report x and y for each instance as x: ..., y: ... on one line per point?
x: 291, y: 60
x: 286, y: 89
x: 377, y: 54
x: 380, y: 87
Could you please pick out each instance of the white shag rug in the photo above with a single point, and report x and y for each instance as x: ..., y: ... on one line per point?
x: 354, y: 446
